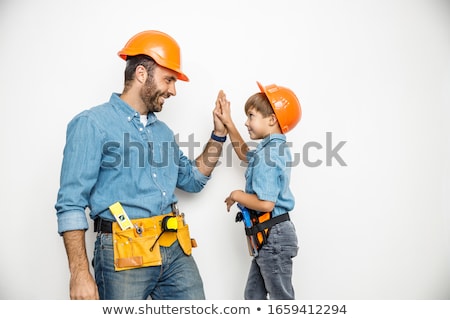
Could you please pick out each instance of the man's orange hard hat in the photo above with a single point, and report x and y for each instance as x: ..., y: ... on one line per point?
x: 159, y: 46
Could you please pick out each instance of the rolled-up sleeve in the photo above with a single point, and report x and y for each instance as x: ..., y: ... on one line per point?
x: 79, y: 172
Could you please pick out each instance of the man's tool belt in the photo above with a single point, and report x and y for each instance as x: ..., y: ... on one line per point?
x: 261, y: 225
x: 140, y: 246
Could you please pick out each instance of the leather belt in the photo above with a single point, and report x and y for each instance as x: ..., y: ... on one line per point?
x: 273, y: 221
x: 106, y: 226
x: 101, y: 225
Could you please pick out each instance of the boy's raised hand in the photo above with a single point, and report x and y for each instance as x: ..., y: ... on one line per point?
x: 219, y: 127
x: 223, y: 113
x: 222, y: 110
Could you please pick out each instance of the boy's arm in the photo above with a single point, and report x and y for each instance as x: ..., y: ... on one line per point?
x: 239, y: 146
x: 224, y: 114
x: 249, y: 200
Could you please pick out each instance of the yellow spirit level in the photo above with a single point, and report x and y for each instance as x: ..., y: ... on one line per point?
x: 121, y: 216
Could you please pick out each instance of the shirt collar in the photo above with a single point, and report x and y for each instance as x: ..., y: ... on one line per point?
x: 128, y: 111
x: 271, y: 137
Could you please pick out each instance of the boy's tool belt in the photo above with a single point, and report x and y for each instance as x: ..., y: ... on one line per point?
x: 139, y: 245
x: 257, y: 227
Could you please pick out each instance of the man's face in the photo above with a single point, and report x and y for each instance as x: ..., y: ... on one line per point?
x: 158, y: 87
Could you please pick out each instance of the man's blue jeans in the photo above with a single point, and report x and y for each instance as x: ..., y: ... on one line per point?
x: 270, y: 275
x: 178, y: 277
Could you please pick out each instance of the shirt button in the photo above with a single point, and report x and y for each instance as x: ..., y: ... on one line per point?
x: 140, y: 129
x: 129, y: 118
x: 164, y: 193
x: 154, y: 175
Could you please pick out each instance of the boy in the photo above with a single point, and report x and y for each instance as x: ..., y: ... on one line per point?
x: 270, y: 114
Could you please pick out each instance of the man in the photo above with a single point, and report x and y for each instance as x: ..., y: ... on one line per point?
x: 124, y: 165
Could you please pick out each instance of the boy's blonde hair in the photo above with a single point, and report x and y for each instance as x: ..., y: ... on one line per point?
x: 260, y: 103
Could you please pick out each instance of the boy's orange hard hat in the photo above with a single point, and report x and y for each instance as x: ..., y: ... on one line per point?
x: 157, y: 45
x: 285, y: 105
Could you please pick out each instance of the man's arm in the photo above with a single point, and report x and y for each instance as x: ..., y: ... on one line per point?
x: 82, y: 284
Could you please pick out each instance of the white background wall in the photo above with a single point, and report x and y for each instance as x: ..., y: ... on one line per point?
x: 375, y: 74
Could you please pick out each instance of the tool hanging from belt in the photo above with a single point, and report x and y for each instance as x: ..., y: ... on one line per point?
x: 169, y: 224
x: 257, y: 226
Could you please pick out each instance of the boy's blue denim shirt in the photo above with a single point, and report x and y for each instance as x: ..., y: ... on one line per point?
x: 268, y: 173
x: 111, y: 156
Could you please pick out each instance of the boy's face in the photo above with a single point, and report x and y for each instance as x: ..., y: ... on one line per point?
x: 258, y: 126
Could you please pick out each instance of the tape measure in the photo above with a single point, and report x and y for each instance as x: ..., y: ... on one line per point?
x: 169, y: 223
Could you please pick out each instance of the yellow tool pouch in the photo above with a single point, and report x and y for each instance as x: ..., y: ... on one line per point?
x: 139, y: 246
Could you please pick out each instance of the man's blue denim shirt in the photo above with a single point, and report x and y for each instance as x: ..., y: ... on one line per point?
x: 111, y: 156
x: 268, y: 173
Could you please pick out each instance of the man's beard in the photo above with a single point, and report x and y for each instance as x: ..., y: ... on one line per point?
x: 151, y: 96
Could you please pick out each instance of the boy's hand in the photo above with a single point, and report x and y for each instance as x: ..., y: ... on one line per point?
x: 229, y: 202
x: 219, y: 126
x: 233, y: 198
x: 223, y: 109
